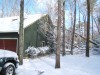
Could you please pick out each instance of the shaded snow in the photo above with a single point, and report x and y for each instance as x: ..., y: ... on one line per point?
x: 70, y: 65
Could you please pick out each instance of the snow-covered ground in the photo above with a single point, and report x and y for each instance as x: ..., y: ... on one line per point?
x: 70, y: 65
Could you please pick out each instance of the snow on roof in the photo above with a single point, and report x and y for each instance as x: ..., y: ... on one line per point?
x: 11, y: 24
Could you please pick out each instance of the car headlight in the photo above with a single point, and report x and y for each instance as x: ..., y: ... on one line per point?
x: 16, y: 59
x: 1, y: 59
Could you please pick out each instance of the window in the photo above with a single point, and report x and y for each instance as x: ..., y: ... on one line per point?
x: 43, y: 43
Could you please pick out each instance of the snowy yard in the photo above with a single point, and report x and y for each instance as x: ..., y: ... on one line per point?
x: 70, y: 65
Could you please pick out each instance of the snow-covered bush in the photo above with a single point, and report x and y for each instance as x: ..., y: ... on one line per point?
x: 97, y: 40
x: 97, y: 48
x: 43, y: 50
x: 32, y: 51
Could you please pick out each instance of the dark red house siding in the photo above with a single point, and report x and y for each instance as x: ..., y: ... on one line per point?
x: 8, y: 44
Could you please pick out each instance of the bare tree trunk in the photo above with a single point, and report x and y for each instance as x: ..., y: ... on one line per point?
x: 96, y: 25
x: 71, y: 13
x: 57, y: 65
x: 63, y: 29
x: 21, y: 32
x: 73, y: 28
x: 92, y: 25
x: 79, y: 40
x: 88, y: 28
x: 85, y: 28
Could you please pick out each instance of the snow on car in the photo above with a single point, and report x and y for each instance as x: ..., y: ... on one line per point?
x: 7, y: 53
x: 8, y: 62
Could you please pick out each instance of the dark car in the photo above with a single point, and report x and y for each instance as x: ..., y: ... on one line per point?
x: 8, y: 62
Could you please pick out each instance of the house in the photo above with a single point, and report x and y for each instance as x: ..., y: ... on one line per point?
x: 38, y: 31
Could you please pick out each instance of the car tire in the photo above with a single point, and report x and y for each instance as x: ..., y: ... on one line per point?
x: 8, y: 69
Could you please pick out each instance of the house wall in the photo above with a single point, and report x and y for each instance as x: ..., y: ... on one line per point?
x: 9, y: 41
x: 30, y: 34
x: 35, y: 33
x: 32, y: 37
x: 9, y: 35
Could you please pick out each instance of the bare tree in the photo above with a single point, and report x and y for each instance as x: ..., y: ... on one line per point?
x: 57, y: 65
x: 73, y: 28
x: 14, y: 8
x: 21, y: 31
x: 88, y: 28
x: 2, y: 10
x: 63, y: 48
x: 92, y: 5
x: 71, y: 3
x: 9, y: 8
x: 79, y: 39
x: 52, y: 10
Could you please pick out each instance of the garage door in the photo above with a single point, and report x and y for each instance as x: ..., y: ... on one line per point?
x: 8, y: 44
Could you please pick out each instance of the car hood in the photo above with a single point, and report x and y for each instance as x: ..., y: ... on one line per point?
x: 7, y: 53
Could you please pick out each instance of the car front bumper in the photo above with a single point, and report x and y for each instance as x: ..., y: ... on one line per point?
x: 17, y: 64
x: 0, y: 68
